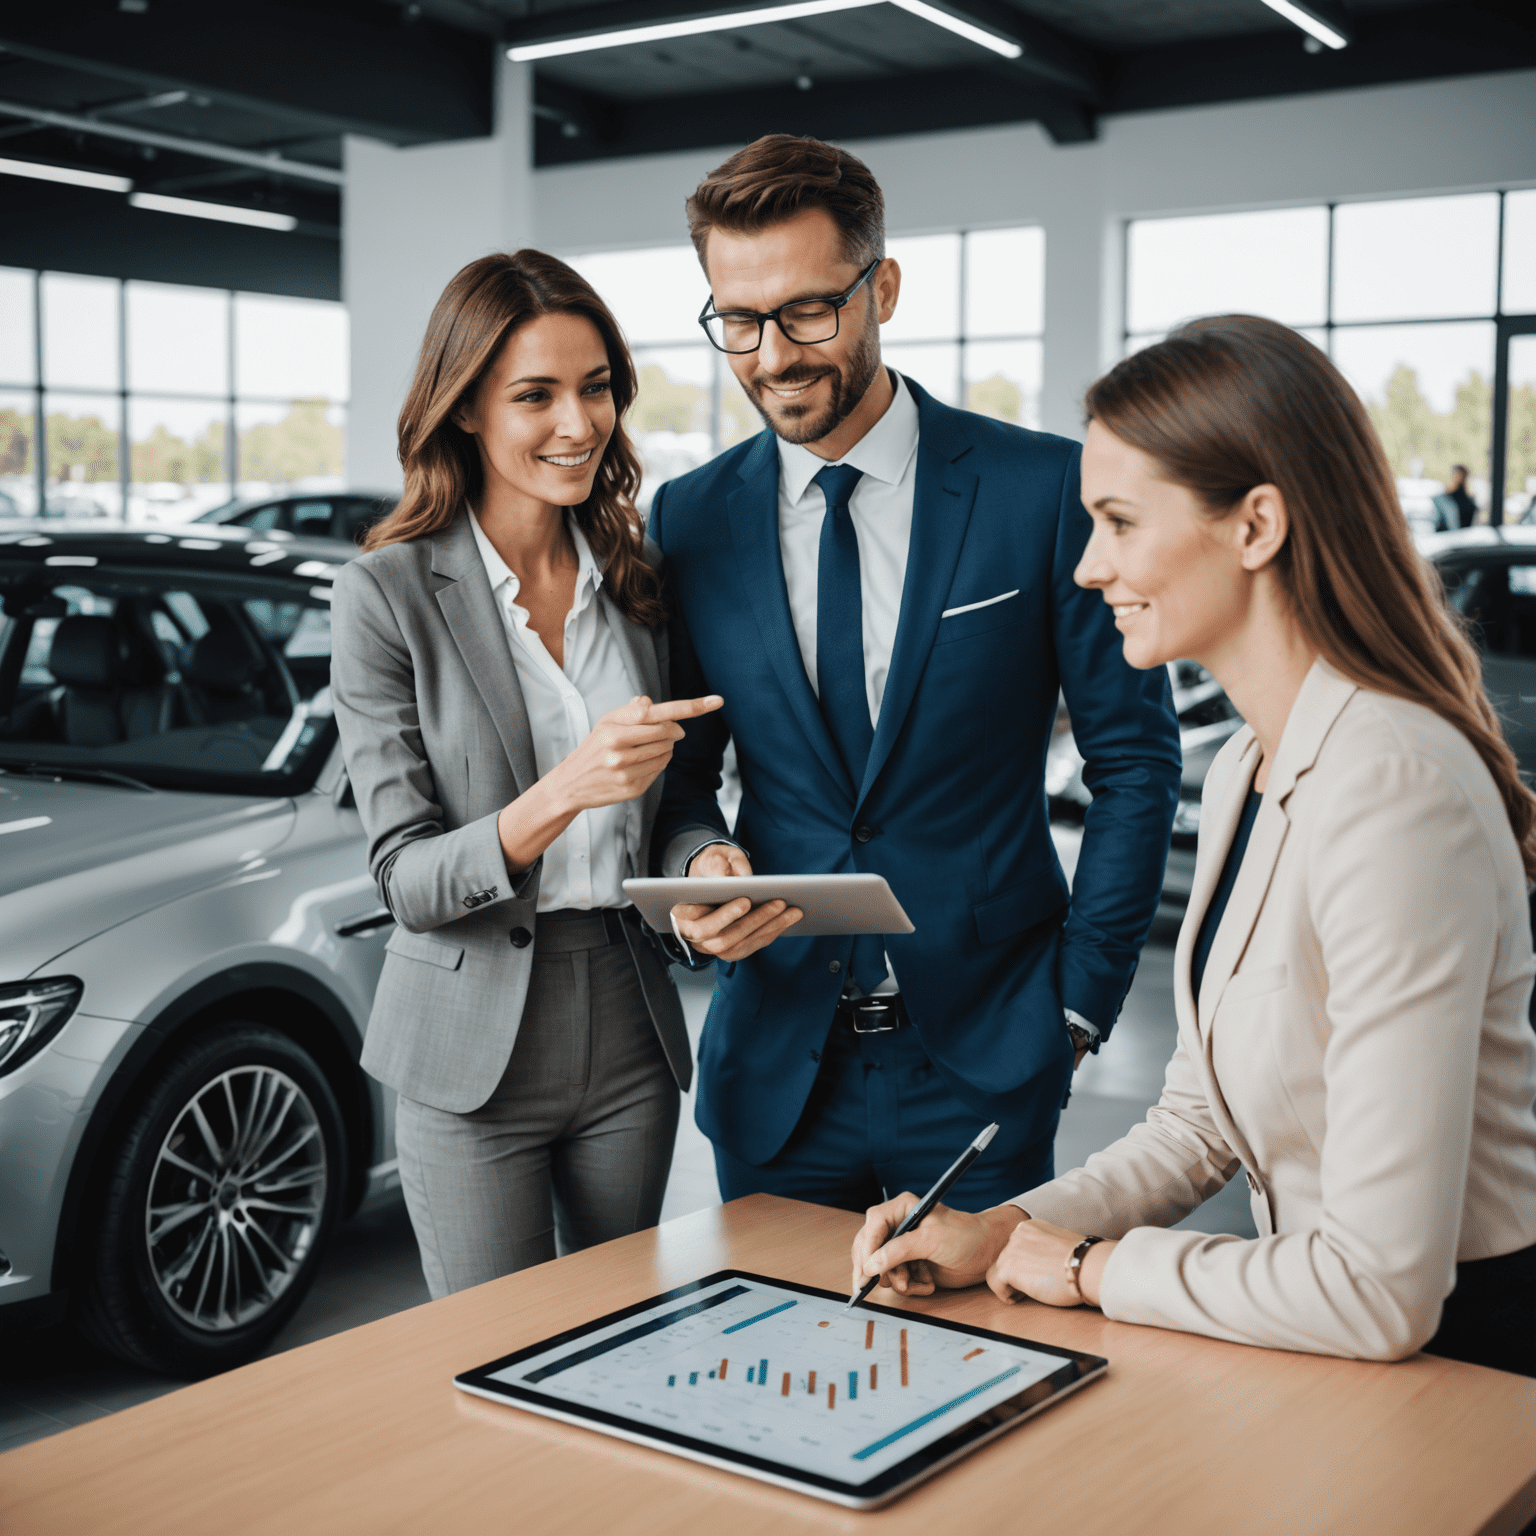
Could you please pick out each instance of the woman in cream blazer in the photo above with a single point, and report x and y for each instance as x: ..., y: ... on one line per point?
x: 1354, y: 973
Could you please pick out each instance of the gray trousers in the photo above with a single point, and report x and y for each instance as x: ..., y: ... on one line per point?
x: 574, y: 1146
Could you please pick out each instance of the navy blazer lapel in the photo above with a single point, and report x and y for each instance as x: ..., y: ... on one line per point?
x: 943, y: 496
x: 754, y: 518
x: 469, y: 609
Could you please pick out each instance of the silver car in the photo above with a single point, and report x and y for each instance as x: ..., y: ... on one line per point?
x: 189, y: 938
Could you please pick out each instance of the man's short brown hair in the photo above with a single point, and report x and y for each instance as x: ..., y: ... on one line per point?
x: 778, y: 176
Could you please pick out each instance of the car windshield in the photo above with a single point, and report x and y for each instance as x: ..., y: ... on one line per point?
x: 180, y: 679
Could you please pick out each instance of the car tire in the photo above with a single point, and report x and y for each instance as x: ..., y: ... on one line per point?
x: 216, y: 1204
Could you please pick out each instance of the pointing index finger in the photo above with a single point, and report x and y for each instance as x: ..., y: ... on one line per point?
x: 686, y: 709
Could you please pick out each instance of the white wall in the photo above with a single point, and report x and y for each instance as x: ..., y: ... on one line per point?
x: 1448, y: 135
x: 410, y: 219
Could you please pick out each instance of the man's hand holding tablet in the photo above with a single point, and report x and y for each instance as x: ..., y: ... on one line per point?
x: 735, y: 929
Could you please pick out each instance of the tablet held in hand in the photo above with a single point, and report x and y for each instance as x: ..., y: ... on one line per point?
x: 831, y: 903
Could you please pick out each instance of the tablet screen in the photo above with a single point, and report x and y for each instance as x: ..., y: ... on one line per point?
x: 762, y: 1370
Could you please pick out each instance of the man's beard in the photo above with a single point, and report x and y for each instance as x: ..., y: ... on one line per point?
x: 797, y: 423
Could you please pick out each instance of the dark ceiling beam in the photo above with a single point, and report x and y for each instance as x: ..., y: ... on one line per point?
x: 67, y: 229
x: 345, y: 67
x: 1048, y: 56
x: 1422, y: 42
x: 853, y: 109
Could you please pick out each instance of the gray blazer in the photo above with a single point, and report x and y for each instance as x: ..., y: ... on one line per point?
x: 437, y: 741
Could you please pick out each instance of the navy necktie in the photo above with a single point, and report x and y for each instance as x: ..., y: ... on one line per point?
x: 840, y: 665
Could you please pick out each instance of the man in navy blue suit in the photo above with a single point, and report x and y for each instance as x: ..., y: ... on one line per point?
x: 881, y: 588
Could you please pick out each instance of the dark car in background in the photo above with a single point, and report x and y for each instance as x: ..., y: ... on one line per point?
x: 345, y: 515
x: 1490, y: 579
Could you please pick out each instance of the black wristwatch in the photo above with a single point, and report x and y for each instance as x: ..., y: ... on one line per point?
x: 1082, y: 1040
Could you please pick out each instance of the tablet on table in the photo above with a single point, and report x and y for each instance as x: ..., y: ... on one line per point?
x: 782, y: 1383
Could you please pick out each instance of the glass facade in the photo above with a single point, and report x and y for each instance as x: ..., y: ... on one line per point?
x: 154, y: 402
x: 1407, y: 296
x: 968, y: 328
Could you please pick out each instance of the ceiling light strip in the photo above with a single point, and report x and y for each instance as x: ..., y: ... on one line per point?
x: 1003, y: 45
x: 1299, y: 16
x: 66, y: 174
x: 692, y: 26
x: 225, y: 213
x: 274, y: 162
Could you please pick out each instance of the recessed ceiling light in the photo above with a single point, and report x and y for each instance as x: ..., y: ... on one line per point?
x: 697, y: 26
x: 66, y: 174
x: 1314, y: 25
x: 225, y: 213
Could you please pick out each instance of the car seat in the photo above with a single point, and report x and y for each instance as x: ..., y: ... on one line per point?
x: 103, y: 697
x: 220, y: 679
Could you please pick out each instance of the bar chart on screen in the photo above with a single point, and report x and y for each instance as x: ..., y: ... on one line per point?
x: 758, y: 1368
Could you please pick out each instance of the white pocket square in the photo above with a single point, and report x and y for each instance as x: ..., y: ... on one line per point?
x: 1002, y: 597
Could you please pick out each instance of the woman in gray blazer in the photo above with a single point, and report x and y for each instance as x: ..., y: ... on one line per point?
x: 1353, y: 977
x: 500, y: 681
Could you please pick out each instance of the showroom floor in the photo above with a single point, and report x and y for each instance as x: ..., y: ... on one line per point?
x: 50, y: 1381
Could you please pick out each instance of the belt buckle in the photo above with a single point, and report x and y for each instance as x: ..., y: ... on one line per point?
x: 877, y: 1008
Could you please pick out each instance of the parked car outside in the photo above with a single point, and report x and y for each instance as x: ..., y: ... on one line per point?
x: 1490, y: 579
x: 345, y: 515
x: 189, y: 938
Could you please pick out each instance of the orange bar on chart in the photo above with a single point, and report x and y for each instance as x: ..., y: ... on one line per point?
x: 831, y: 1394
x: 872, y: 1371
x: 811, y: 1388
x: 723, y: 1365
x: 823, y: 1325
x: 973, y: 1354
x: 869, y: 1335
x: 786, y: 1384
x: 903, y: 1357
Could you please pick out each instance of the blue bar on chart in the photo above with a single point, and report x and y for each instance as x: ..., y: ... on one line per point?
x: 693, y: 1378
x: 671, y: 1381
x: 749, y: 1375
x: 762, y: 1373
x: 853, y: 1384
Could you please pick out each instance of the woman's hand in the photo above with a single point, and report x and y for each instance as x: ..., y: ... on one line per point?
x: 1034, y: 1264
x: 948, y: 1248
x: 623, y: 754
x: 621, y: 757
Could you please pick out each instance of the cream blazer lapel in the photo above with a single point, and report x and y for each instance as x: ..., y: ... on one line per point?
x: 1323, y: 695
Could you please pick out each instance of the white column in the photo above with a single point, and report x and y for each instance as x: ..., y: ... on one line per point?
x: 410, y: 219
x: 1082, y: 306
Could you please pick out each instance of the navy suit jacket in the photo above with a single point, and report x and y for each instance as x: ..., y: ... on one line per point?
x: 952, y: 809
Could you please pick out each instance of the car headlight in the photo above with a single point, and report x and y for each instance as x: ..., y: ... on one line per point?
x: 1185, y: 819
x: 31, y: 1014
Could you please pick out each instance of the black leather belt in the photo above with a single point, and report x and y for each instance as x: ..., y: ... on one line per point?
x: 876, y: 1015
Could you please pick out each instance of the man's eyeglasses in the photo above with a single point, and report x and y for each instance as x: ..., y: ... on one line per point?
x: 804, y: 321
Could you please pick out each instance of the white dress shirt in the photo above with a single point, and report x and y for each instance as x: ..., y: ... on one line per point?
x: 881, y: 509
x: 587, y: 864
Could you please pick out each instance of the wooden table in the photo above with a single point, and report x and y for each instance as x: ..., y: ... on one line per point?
x: 365, y: 1431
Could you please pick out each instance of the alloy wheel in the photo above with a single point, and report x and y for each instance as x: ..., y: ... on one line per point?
x: 236, y: 1198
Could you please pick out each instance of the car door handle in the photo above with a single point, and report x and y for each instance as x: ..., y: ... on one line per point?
x: 369, y: 922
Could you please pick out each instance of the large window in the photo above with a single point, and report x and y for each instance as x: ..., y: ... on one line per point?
x: 968, y: 328
x: 1408, y: 297
x: 149, y: 401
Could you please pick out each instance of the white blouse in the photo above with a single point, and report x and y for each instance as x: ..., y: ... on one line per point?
x: 586, y: 865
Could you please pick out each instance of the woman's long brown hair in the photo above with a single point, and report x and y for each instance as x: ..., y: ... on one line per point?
x: 484, y: 304
x: 1231, y: 402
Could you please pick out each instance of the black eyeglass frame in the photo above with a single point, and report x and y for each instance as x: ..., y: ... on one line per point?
x: 838, y: 302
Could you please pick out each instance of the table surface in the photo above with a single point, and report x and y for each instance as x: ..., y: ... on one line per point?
x: 365, y: 1431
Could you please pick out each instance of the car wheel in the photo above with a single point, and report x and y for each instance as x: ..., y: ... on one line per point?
x: 217, y: 1202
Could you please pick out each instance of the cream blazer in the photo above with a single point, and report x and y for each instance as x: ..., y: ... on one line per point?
x: 1360, y: 1049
